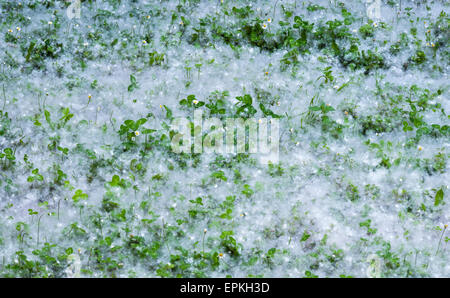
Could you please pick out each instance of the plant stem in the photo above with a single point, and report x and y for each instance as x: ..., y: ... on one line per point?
x: 4, y: 98
x: 58, y: 207
x: 440, y: 240
x: 203, y: 243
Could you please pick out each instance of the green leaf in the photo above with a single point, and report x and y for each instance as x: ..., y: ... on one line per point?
x: 168, y: 112
x: 132, y: 79
x: 305, y: 236
x: 47, y: 118
x: 133, y: 84
x: 219, y: 175
x: 439, y: 198
x: 79, y: 195
x: 115, y: 181
x: 31, y: 212
x: 8, y: 151
x: 268, y: 112
x: 141, y: 121
x: 314, y: 108
x: 30, y: 50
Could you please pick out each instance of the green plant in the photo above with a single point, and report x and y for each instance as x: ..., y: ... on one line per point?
x: 133, y: 84
x: 228, y: 242
x: 36, y: 176
x: 7, y: 158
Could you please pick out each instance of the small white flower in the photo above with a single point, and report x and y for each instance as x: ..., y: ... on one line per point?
x: 264, y: 26
x: 195, y: 101
x: 420, y: 148
x: 50, y: 22
x: 137, y: 133
x: 336, y: 87
x: 269, y: 20
x: 86, y: 44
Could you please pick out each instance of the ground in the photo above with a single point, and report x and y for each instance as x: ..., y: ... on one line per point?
x: 90, y: 185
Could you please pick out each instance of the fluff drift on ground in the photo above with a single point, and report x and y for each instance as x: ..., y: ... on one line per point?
x: 89, y: 185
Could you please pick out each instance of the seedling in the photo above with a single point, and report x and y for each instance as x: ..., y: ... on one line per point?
x: 7, y: 158
x: 133, y: 84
